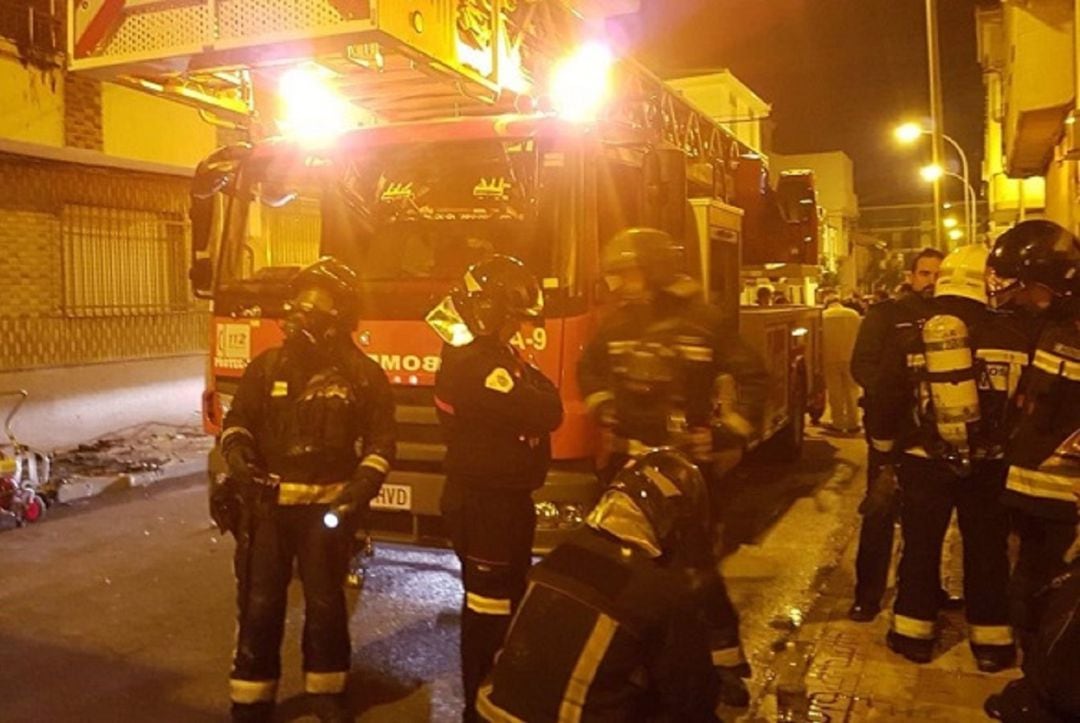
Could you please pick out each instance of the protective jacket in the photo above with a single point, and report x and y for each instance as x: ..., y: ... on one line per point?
x: 497, y: 413
x: 904, y: 416
x: 314, y: 418
x: 658, y: 363
x: 1044, y: 452
x: 604, y: 633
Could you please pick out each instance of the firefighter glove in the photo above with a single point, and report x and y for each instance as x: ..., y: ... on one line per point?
x: 241, y: 461
x: 880, y: 492
x: 356, y: 498
x: 225, y: 504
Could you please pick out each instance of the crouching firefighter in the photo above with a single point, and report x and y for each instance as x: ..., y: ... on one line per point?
x: 1034, y: 270
x: 307, y: 442
x: 612, y: 627
x: 497, y: 412
x: 945, y: 389
x: 654, y: 375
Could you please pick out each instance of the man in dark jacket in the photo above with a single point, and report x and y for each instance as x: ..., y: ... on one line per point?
x: 612, y: 627
x: 650, y: 376
x: 310, y: 432
x: 879, y: 511
x: 497, y: 412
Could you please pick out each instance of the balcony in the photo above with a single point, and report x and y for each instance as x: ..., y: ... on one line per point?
x: 1039, y: 35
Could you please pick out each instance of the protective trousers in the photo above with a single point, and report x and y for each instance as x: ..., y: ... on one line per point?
x: 929, y: 492
x: 875, y: 541
x: 492, y: 531
x: 1043, y: 544
x: 264, y: 565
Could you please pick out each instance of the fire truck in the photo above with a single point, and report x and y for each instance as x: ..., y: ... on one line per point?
x: 410, y: 138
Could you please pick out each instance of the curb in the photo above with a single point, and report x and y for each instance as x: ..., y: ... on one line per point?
x: 81, y: 487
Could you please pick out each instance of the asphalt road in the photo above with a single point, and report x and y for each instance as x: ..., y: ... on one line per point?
x: 122, y: 609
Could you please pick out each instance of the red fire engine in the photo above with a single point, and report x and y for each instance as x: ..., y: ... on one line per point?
x: 486, y: 126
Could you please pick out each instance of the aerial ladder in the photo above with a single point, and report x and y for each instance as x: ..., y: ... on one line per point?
x: 396, y: 60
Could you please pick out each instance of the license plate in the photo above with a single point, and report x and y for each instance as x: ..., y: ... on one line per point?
x: 393, y: 497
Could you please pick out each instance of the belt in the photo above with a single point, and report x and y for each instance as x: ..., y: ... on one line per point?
x: 303, y: 493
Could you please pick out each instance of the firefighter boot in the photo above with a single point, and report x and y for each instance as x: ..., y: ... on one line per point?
x: 252, y: 712
x: 733, y: 690
x: 914, y: 649
x: 993, y: 658
x: 332, y: 708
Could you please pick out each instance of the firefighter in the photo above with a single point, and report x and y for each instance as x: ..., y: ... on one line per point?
x: 308, y: 440
x: 1048, y: 692
x: 649, y: 376
x: 497, y: 412
x: 880, y: 505
x: 944, y: 392
x: 1035, y: 269
x: 611, y: 626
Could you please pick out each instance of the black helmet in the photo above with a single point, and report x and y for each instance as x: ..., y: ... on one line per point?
x: 655, y: 252
x: 1033, y: 252
x: 336, y: 309
x: 659, y: 503
x: 496, y: 290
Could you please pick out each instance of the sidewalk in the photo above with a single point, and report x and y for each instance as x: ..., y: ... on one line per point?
x: 853, y: 676
x: 132, y: 457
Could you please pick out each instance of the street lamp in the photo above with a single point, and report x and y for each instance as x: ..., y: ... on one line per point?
x: 933, y: 173
x: 908, y: 133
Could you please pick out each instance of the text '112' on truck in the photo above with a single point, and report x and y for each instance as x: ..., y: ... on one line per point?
x: 409, y: 138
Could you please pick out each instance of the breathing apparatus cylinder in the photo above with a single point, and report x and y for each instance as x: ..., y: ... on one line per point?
x: 949, y: 366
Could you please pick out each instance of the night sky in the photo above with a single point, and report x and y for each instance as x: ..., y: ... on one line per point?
x: 839, y: 74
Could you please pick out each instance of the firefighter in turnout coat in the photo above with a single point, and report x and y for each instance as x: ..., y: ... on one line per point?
x: 497, y: 413
x: 310, y: 431
x: 944, y: 398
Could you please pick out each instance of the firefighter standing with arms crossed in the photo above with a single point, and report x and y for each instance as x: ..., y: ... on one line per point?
x: 944, y: 395
x: 497, y: 413
x: 650, y: 376
x: 308, y: 440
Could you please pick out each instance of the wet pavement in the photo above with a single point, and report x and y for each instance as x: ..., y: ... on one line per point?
x: 122, y: 609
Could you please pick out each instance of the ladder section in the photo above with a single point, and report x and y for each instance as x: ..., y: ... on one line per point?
x: 400, y: 60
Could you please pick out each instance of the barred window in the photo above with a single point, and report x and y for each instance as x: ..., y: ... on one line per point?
x: 122, y: 262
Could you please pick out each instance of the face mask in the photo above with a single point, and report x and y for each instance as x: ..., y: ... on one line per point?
x: 311, y: 318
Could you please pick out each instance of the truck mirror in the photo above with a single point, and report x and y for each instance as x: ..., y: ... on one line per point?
x: 204, y: 221
x: 202, y: 277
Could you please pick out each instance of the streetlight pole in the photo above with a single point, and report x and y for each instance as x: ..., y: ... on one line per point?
x: 969, y: 202
x: 909, y: 132
x: 972, y: 217
x: 936, y: 104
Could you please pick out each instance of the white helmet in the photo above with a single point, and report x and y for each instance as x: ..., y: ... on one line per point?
x: 963, y: 273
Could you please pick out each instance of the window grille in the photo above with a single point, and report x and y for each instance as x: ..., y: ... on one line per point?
x: 118, y: 262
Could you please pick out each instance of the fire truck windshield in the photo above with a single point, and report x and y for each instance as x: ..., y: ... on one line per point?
x: 401, y: 213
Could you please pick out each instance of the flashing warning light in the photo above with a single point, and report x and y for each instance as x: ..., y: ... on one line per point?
x: 312, y: 110
x: 581, y: 83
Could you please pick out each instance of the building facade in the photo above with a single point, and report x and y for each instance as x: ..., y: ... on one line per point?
x: 94, y: 230
x: 1029, y: 54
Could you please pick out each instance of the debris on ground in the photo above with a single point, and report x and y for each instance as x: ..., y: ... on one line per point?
x: 130, y: 457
